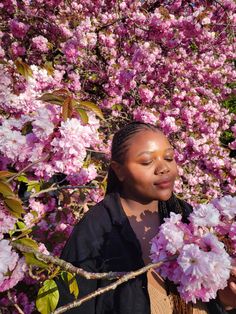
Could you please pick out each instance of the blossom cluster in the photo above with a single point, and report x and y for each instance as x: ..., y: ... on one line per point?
x: 12, y: 267
x: 204, y: 249
x: 175, y: 72
x: 61, y: 145
x: 7, y: 221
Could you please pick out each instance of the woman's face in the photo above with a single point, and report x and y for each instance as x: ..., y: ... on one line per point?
x: 149, y: 169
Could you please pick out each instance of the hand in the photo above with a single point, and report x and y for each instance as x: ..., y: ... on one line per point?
x: 227, y: 296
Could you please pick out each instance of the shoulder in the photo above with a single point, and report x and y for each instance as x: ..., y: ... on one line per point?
x: 88, y: 234
x: 94, y: 222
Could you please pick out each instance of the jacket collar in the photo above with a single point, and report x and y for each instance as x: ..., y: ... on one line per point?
x: 118, y: 217
x: 113, y: 205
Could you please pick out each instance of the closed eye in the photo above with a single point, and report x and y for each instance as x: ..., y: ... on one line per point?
x: 146, y: 163
x: 169, y: 159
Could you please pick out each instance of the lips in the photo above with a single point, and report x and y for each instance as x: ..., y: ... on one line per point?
x: 165, y: 183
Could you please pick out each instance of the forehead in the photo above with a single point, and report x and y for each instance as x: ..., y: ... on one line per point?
x: 147, y: 141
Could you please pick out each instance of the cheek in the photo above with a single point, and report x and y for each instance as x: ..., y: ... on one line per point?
x: 174, y: 169
x: 137, y: 176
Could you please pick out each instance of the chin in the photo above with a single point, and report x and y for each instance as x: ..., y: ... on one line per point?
x: 164, y: 197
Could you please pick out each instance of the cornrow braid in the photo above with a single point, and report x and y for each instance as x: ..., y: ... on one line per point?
x: 176, y: 205
x: 119, y: 148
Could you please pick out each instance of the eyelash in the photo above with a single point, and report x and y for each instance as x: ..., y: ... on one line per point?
x: 169, y: 159
x: 146, y: 163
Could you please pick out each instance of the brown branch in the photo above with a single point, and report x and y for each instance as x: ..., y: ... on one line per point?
x: 123, y: 276
x: 14, y: 303
x: 150, y: 7
x: 57, y: 188
x: 112, y: 286
x: 26, y: 168
x: 111, y: 23
x: 65, y: 265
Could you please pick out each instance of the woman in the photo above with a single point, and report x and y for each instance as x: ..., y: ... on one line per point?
x: 115, y: 234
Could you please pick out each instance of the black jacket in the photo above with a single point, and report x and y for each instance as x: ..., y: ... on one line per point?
x: 104, y: 241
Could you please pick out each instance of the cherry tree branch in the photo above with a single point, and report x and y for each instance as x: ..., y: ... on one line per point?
x: 112, y: 286
x: 57, y: 188
x: 65, y: 265
x: 26, y: 168
x: 122, y: 276
x: 14, y: 303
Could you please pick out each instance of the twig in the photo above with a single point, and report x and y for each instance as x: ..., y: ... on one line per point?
x: 26, y: 168
x: 65, y: 265
x: 32, y: 275
x: 95, y: 151
x: 111, y: 23
x: 57, y: 188
x: 112, y: 286
x: 13, y: 303
x: 123, y: 276
x: 71, y: 187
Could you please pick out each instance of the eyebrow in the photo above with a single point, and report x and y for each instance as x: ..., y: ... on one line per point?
x: 150, y: 152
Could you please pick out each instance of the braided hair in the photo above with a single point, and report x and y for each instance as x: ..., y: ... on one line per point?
x: 119, y: 148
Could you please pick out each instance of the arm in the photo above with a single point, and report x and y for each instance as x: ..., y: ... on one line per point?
x: 82, y: 250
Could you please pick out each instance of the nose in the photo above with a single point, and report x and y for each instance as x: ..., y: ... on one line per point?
x: 161, y: 167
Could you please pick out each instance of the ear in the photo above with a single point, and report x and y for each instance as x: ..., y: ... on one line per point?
x: 118, y: 169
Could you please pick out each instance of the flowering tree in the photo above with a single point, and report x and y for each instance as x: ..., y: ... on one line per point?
x: 72, y: 72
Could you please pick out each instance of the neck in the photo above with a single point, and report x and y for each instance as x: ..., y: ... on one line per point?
x: 133, y: 207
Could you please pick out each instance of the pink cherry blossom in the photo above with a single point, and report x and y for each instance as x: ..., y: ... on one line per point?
x: 199, y: 254
x: 40, y: 43
x: 18, y: 29
x: 226, y: 206
x: 12, y: 268
x: 7, y: 221
x: 205, y: 215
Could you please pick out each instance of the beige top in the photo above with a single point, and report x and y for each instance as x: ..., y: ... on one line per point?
x: 160, y: 302
x: 144, y: 225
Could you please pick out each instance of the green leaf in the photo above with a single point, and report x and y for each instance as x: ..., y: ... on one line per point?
x: 21, y: 224
x: 36, y: 185
x: 93, y: 107
x: 64, y: 276
x: 23, y: 68
x: 15, y: 206
x: 28, y: 242
x: 32, y: 260
x: 73, y: 286
x: 117, y: 107
x: 83, y: 115
x: 48, y: 297
x: 22, y: 178
x: 5, y: 189
x: 70, y: 280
